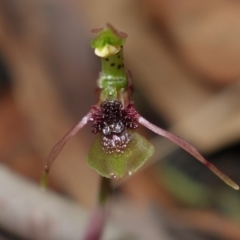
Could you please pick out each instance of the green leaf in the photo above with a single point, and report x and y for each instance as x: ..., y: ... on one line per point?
x: 137, y: 152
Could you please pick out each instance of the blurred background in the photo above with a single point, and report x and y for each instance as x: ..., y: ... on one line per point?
x: 184, y: 57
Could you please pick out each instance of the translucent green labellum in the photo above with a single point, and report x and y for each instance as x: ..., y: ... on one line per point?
x: 115, y: 165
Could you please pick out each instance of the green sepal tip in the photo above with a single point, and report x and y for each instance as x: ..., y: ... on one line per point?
x: 44, y: 180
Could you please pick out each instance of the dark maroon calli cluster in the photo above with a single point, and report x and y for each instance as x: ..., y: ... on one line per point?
x: 112, y: 120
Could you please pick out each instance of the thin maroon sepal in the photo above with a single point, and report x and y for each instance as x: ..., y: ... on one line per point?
x: 97, y: 30
x: 116, y: 32
x: 59, y: 146
x: 189, y: 148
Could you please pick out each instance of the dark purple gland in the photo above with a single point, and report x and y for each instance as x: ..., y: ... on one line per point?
x: 113, y: 121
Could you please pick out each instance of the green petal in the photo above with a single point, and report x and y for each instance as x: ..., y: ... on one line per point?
x: 137, y: 152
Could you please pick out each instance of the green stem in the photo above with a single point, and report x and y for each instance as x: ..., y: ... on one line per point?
x: 105, y: 191
x: 98, y: 217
